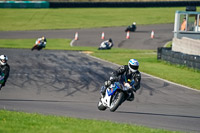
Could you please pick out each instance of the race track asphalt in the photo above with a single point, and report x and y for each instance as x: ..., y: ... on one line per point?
x: 141, y: 39
x: 67, y: 83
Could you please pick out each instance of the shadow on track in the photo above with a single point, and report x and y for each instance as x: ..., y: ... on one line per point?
x: 158, y: 114
x: 44, y: 101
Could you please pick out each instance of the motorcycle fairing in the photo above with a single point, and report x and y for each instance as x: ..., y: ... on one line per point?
x: 112, y: 90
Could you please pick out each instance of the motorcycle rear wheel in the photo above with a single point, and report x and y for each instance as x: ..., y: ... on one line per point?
x: 116, y: 100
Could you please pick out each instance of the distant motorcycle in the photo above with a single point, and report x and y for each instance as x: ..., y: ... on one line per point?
x: 37, y: 47
x: 115, y: 95
x: 131, y: 28
x: 40, y: 43
x: 108, y: 44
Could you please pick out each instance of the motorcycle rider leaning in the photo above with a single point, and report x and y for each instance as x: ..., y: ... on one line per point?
x: 41, y: 43
x: 108, y: 44
x: 5, y: 68
x: 126, y: 74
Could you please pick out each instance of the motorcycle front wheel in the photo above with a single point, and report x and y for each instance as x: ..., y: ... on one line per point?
x: 116, y: 100
x: 101, y: 106
x: 34, y: 47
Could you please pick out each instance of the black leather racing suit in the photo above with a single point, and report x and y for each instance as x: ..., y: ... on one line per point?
x: 6, y: 70
x: 124, y: 75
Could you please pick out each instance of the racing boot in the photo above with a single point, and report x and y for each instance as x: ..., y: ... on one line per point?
x: 103, y: 91
x: 131, y: 96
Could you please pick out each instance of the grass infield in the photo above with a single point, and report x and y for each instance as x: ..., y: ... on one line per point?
x: 70, y: 18
x: 19, y: 122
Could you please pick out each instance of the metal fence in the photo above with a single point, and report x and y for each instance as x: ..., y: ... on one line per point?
x: 24, y: 4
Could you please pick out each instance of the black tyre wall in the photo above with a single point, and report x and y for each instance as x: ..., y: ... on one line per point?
x: 179, y: 58
x: 123, y: 4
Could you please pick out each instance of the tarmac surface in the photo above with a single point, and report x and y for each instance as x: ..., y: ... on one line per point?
x: 67, y: 83
x: 141, y: 39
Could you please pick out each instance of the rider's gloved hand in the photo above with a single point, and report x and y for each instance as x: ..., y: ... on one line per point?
x: 127, y: 85
x: 112, y: 79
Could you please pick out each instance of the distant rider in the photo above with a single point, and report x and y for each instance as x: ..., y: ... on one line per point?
x: 126, y: 75
x: 40, y: 43
x: 108, y: 44
x: 131, y: 27
x: 5, y: 68
x: 134, y: 26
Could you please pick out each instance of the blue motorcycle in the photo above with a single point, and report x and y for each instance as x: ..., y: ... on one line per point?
x: 115, y: 95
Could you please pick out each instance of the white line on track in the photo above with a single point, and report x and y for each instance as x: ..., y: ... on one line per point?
x: 71, y: 43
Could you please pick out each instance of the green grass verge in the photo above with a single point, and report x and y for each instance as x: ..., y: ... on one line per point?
x: 168, y: 44
x: 69, y: 18
x: 19, y: 122
x: 147, y: 59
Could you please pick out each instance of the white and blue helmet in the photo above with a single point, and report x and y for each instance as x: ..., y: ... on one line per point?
x: 3, y: 59
x: 133, y: 65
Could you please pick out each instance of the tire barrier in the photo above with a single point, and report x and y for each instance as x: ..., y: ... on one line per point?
x: 24, y: 4
x: 46, y: 4
x: 123, y: 4
x: 166, y: 54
